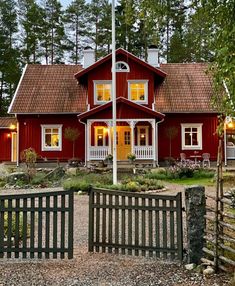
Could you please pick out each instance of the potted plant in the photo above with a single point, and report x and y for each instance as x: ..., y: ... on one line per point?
x: 109, y: 158
x: 131, y: 157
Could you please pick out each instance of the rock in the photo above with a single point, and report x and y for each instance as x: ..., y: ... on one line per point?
x: 17, y: 176
x: 72, y: 171
x: 208, y: 271
x: 190, y: 266
x: 56, y: 174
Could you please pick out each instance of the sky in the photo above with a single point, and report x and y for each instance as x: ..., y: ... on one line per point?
x: 65, y: 3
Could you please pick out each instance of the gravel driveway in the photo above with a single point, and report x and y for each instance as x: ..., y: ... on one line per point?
x: 99, y: 269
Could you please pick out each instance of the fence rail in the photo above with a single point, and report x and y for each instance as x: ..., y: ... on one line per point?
x: 135, y: 224
x: 36, y: 225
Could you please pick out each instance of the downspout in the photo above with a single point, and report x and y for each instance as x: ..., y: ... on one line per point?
x: 18, y: 144
x: 157, y: 161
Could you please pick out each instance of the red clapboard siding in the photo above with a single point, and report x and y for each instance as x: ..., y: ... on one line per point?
x: 137, y: 71
x: 5, y: 145
x: 30, y: 135
x: 209, y: 137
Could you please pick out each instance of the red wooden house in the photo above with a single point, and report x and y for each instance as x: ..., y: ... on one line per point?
x: 162, y: 110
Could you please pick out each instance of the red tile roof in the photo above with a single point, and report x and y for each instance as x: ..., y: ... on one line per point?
x: 50, y: 89
x: 187, y: 88
x: 5, y: 122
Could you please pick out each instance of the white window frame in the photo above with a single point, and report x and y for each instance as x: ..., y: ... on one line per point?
x: 51, y: 126
x: 199, y: 132
x: 125, y: 64
x: 146, y: 132
x: 95, y: 82
x: 145, y: 101
x: 96, y: 136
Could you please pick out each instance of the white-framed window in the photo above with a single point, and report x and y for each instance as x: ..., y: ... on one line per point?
x: 138, y: 91
x: 102, y: 91
x: 122, y: 67
x: 51, y: 137
x: 191, y: 136
x: 142, y: 135
x: 100, y: 136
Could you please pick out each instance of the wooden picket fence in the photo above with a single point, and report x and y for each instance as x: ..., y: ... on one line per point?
x: 135, y: 224
x: 220, y: 231
x: 37, y: 225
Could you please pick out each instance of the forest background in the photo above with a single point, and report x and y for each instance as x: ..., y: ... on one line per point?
x: 183, y: 30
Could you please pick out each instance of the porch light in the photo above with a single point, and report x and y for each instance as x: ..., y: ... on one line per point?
x: 8, y: 135
x: 142, y: 136
x: 230, y: 124
x: 100, y: 136
x: 12, y: 127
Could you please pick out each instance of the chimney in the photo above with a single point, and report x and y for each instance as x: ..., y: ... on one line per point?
x: 153, y: 56
x: 89, y: 57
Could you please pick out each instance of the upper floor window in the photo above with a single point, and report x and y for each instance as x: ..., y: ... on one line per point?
x: 191, y: 136
x: 102, y: 91
x: 138, y: 91
x: 51, y: 137
x: 122, y: 67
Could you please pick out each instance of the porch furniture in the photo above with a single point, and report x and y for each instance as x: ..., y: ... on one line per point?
x: 206, y: 160
x: 195, y: 157
x: 182, y: 157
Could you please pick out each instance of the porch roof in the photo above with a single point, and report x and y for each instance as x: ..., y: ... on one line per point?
x: 126, y: 109
x: 6, y: 122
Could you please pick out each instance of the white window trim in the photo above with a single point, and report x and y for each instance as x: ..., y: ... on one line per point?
x: 146, y: 132
x: 96, y: 136
x: 95, y: 82
x: 127, y: 67
x: 145, y: 90
x: 53, y: 126
x: 191, y: 125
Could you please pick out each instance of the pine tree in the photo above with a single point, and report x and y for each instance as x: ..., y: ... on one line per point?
x: 9, y: 56
x: 76, y: 28
x: 31, y: 23
x: 53, y: 40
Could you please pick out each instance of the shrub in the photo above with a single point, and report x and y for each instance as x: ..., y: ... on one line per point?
x: 13, y: 225
x: 183, y: 169
x: 77, y: 185
x: 39, y: 179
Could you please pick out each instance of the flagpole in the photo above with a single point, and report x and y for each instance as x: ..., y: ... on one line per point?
x: 114, y: 113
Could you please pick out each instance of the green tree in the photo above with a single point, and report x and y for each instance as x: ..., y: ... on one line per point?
x: 72, y: 135
x: 31, y: 23
x: 53, y: 40
x: 9, y: 55
x: 76, y: 28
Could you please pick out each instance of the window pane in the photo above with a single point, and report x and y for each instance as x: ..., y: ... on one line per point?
x: 103, y: 92
x: 127, y: 138
x: 194, y: 139
x: 48, y: 140
x: 48, y: 130
x: 137, y: 91
x: 188, y: 129
x: 56, y: 131
x: 187, y: 139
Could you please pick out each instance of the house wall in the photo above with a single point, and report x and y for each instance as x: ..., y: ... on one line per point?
x: 209, y: 137
x: 30, y: 135
x: 137, y: 71
x: 5, y: 145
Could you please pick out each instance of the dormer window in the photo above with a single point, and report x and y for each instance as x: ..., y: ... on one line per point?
x: 122, y: 67
x: 102, y: 91
x: 138, y: 91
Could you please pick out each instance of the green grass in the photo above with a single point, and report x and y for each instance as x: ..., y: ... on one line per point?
x: 192, y: 181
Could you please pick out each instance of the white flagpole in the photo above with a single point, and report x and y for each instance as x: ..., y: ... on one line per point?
x: 114, y: 95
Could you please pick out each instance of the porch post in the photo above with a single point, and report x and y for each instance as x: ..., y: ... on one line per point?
x: 109, y: 124
x: 154, y: 140
x: 156, y: 143
x: 225, y: 146
x: 132, y: 125
x: 88, y: 139
x: 86, y: 147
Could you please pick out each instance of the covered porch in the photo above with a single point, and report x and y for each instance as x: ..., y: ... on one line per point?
x: 137, y: 135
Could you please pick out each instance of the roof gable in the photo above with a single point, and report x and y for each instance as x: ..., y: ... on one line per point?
x: 159, y: 73
x: 126, y: 109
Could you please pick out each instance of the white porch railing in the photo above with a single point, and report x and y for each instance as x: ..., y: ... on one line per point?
x: 143, y: 152
x: 98, y: 152
x: 230, y: 152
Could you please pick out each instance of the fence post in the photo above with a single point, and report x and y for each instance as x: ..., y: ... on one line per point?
x: 195, y: 211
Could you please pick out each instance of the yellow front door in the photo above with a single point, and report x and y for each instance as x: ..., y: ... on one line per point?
x: 123, y: 142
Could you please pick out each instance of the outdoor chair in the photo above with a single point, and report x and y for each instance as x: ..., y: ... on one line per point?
x: 182, y: 157
x: 206, y: 160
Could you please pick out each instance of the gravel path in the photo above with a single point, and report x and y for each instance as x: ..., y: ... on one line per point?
x: 99, y: 269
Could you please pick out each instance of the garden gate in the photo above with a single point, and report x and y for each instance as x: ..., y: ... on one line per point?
x: 37, y: 225
x: 135, y: 224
